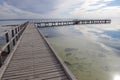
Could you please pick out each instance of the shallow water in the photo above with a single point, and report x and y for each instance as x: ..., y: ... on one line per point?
x: 90, y: 52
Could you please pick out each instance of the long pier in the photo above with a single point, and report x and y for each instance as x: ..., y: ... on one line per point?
x: 43, y: 24
x: 33, y: 59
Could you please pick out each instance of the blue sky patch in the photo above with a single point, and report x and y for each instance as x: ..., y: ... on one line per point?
x: 114, y: 3
x: 113, y: 34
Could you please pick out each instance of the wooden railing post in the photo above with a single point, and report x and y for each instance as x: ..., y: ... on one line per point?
x: 13, y: 34
x: 0, y: 60
x: 20, y: 31
x: 7, y: 40
x: 16, y: 33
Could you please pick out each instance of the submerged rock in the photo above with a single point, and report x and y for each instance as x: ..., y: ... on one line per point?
x: 68, y: 54
x: 70, y: 49
x: 67, y: 63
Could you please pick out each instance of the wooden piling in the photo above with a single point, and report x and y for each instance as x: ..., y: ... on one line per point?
x: 16, y: 33
x: 7, y: 40
x: 13, y: 34
x: 0, y: 59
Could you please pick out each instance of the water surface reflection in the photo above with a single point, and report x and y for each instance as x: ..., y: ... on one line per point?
x: 89, y: 52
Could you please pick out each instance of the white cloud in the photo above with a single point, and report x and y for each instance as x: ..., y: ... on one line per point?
x: 11, y: 12
x: 87, y: 9
x: 96, y: 9
x: 64, y: 9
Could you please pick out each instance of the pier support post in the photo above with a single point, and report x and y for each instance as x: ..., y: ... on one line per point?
x: 0, y: 59
x: 16, y: 33
x: 7, y: 40
x: 12, y: 37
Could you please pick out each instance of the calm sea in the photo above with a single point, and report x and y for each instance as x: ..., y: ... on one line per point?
x: 92, y: 52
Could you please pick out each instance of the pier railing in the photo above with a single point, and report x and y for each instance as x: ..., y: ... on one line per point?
x: 43, y: 24
x: 11, y: 42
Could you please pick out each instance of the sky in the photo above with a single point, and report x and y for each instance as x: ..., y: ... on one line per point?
x: 20, y: 9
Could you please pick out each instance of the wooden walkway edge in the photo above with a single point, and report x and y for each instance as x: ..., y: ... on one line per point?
x: 34, y: 59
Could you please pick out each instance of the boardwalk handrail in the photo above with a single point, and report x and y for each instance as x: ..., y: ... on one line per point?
x: 16, y: 34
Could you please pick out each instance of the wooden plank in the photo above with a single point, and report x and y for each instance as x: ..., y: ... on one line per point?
x: 35, y: 64
x: 37, y: 75
x: 38, y: 67
x: 32, y: 65
x: 40, y: 71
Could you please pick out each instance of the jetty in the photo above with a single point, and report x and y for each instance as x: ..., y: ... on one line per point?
x: 31, y: 57
x: 44, y: 24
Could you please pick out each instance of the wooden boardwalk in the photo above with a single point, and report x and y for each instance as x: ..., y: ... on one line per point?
x: 34, y: 60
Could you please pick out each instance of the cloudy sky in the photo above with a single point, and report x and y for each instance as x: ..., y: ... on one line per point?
x: 14, y: 9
